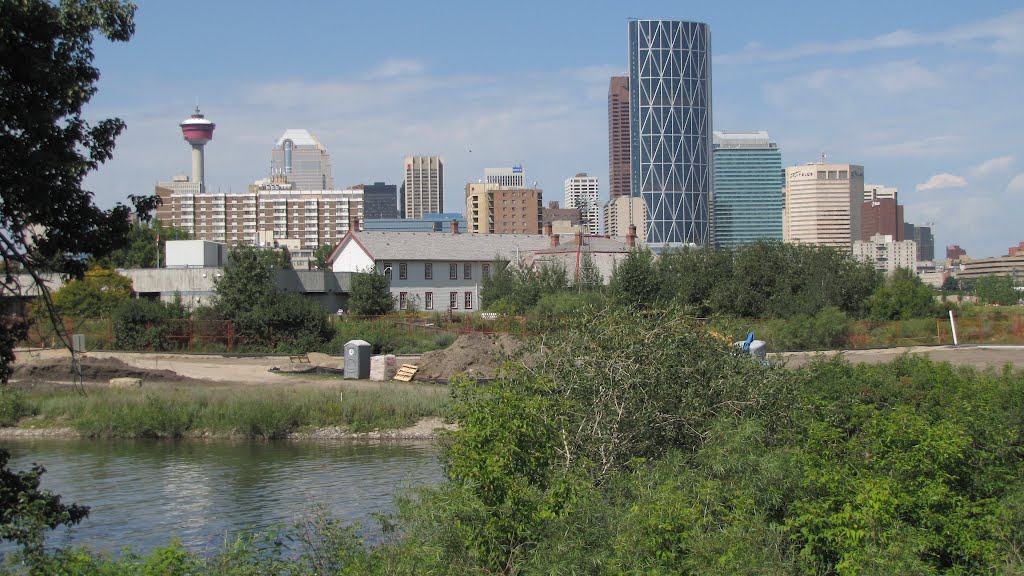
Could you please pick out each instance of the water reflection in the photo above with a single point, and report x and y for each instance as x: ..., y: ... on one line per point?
x: 144, y: 492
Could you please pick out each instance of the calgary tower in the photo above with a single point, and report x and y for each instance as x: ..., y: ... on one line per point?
x: 197, y: 130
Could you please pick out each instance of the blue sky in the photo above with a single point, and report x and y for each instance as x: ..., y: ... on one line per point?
x: 927, y: 96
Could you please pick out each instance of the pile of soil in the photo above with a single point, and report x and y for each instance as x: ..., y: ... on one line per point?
x: 93, y: 370
x: 477, y: 355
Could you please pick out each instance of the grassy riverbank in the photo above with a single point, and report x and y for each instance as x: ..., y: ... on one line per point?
x: 197, y: 411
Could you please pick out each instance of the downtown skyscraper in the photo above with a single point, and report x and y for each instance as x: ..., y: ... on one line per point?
x: 670, y: 128
x: 749, y: 185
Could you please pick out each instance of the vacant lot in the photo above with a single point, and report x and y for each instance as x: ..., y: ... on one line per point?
x: 977, y: 356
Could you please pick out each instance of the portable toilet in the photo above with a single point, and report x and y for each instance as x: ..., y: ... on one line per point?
x: 357, y: 359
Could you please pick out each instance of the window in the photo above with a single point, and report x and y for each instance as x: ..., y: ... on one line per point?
x: 387, y: 270
x: 403, y: 271
x: 453, y: 301
x: 428, y: 272
x: 428, y: 299
x: 486, y: 269
x: 453, y: 271
x: 469, y: 300
x: 402, y: 299
x: 467, y: 271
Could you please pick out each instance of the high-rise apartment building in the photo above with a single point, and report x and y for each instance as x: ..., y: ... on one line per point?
x: 423, y: 186
x: 621, y: 213
x: 302, y: 160
x: 823, y: 204
x: 581, y: 193
x: 618, y: 137
x: 511, y: 177
x: 494, y: 210
x: 266, y: 214
x: 925, y: 239
x: 886, y: 253
x: 670, y: 128
x: 380, y: 200
x: 881, y: 214
x: 749, y: 183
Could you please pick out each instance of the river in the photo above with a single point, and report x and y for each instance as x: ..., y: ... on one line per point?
x: 144, y: 492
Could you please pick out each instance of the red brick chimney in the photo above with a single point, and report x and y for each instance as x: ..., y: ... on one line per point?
x: 455, y: 226
x: 548, y: 229
x: 554, y: 238
x: 631, y: 236
x: 353, y: 223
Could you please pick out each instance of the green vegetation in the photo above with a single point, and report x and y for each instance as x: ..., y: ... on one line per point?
x: 145, y: 241
x: 96, y: 295
x: 194, y: 411
x: 996, y: 290
x: 370, y: 294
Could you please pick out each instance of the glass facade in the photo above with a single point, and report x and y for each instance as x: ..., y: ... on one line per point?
x: 670, y: 128
x: 748, y: 190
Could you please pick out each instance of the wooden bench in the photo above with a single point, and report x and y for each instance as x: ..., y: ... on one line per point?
x: 406, y: 372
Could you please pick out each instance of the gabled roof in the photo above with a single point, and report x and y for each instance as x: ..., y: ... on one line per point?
x: 384, y: 245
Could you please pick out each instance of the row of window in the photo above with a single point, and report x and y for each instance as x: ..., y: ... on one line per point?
x: 428, y: 270
x: 428, y: 300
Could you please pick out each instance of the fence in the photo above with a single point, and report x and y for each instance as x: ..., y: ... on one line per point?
x: 220, y: 335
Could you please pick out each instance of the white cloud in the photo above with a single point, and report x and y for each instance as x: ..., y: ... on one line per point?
x: 396, y: 67
x: 992, y: 166
x: 942, y: 181
x: 1016, y: 185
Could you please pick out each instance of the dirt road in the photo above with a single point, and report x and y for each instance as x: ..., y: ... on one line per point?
x: 977, y: 356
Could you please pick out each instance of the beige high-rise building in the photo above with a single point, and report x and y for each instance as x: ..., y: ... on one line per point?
x: 622, y: 212
x: 308, y: 218
x: 581, y: 193
x: 494, y: 210
x: 886, y: 253
x: 823, y: 203
x: 423, y: 187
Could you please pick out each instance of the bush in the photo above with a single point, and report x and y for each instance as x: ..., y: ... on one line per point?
x: 12, y: 406
x: 140, y: 324
x: 827, y: 330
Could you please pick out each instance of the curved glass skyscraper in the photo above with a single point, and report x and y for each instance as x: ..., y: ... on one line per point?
x: 670, y: 128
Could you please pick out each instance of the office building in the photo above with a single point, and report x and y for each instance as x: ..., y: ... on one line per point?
x: 886, y: 253
x: 493, y: 210
x: 925, y: 239
x: 823, y: 203
x: 581, y: 194
x: 618, y: 137
x: 511, y: 177
x: 621, y: 213
x: 881, y: 214
x: 423, y: 186
x: 380, y: 200
x: 302, y: 160
x: 749, y: 183
x: 670, y: 128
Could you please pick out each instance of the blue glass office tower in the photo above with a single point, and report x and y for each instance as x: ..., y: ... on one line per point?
x: 749, y: 185
x: 670, y: 128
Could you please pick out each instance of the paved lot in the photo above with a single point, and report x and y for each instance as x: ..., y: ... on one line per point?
x: 977, y: 356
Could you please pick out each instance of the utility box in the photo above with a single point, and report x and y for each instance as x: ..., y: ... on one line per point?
x: 357, y: 359
x: 78, y: 342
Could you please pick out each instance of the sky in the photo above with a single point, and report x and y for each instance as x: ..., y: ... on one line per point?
x: 925, y: 95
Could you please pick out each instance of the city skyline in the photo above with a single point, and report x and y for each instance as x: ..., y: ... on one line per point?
x: 924, y: 101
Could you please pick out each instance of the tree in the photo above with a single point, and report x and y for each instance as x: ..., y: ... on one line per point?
x: 903, y: 296
x: 635, y: 281
x: 370, y: 294
x: 145, y: 241
x: 996, y: 290
x: 588, y: 277
x: 47, y: 220
x: 248, y: 282
x: 95, y: 295
x: 320, y: 256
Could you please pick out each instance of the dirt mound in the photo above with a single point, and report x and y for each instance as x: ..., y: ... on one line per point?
x: 93, y: 370
x: 474, y: 354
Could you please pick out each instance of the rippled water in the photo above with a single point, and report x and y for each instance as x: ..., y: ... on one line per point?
x: 142, y: 493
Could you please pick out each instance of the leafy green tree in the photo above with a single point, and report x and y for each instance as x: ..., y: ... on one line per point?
x: 96, y: 295
x: 143, y: 246
x: 996, y: 290
x: 47, y: 220
x: 950, y: 284
x: 635, y: 281
x: 370, y: 294
x: 903, y: 296
x: 588, y: 277
x: 249, y: 280
x: 320, y: 256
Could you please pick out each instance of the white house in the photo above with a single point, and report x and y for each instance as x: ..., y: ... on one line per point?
x: 439, y: 271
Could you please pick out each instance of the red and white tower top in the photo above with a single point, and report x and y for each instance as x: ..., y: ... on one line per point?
x: 197, y: 131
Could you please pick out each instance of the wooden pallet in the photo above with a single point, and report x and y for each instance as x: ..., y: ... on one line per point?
x: 406, y: 372
x: 299, y: 358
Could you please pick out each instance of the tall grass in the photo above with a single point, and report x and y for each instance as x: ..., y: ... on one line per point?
x: 251, y: 412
